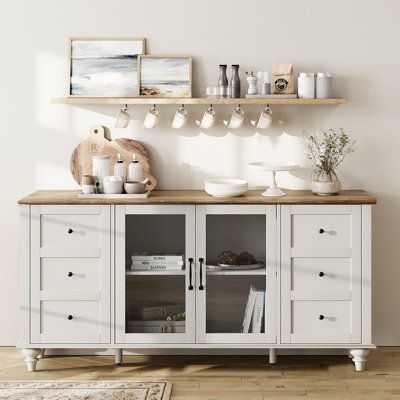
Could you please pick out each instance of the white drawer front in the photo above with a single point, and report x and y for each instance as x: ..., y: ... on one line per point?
x: 321, y: 274
x: 324, y: 231
x: 70, y: 321
x: 321, y: 322
x: 70, y: 230
x: 70, y: 274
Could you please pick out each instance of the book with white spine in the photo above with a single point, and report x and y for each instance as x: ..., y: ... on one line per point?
x: 156, y: 263
x: 249, y: 310
x: 258, y: 312
x: 160, y: 267
x: 147, y: 256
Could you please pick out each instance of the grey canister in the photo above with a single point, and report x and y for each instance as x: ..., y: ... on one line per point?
x: 323, y: 89
x: 235, y: 82
x: 223, y: 85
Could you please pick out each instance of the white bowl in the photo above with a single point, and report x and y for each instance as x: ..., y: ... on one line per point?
x: 225, y: 187
x: 113, y: 185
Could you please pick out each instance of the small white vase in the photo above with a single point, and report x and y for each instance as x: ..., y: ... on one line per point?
x: 323, y: 184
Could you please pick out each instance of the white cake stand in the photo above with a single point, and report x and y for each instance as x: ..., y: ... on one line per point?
x: 273, y: 190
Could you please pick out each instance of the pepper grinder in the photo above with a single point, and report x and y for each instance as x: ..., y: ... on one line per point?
x: 252, y: 81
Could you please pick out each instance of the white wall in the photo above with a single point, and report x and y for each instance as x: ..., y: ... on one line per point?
x: 356, y: 40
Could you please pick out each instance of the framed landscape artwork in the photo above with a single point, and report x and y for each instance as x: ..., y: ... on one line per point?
x: 105, y: 67
x: 165, y: 76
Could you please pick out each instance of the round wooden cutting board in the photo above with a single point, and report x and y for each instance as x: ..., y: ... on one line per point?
x: 81, y: 158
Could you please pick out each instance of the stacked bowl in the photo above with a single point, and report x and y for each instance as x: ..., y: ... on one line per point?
x: 225, y: 187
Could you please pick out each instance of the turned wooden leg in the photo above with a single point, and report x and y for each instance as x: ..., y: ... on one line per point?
x: 118, y: 356
x: 359, y: 358
x: 31, y: 358
x: 272, y: 356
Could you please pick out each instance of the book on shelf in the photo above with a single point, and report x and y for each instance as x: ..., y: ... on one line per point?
x: 249, y: 310
x: 160, y: 267
x: 159, y: 256
x: 156, y: 263
x: 254, y: 313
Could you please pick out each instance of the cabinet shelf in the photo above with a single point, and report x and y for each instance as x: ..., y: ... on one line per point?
x: 260, y: 271
x: 144, y: 272
x: 78, y: 100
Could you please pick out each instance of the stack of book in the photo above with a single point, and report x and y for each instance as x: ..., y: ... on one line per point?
x: 157, y: 262
x: 253, y: 321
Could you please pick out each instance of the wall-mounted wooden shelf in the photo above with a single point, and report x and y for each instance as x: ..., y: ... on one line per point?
x: 135, y: 100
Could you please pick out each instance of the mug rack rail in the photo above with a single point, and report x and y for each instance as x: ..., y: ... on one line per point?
x: 79, y: 100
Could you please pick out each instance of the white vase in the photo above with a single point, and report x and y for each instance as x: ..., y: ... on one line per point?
x: 324, y: 184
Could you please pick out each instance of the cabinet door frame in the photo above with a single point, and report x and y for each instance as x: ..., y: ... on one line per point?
x: 353, y: 252
x: 121, y: 337
x: 270, y: 337
x: 103, y: 252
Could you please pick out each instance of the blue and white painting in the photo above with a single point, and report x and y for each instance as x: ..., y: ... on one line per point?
x: 105, y: 67
x: 165, y: 76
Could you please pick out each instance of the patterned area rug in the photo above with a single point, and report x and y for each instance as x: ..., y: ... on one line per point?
x: 84, y: 390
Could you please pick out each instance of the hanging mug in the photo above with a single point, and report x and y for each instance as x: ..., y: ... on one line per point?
x: 123, y: 117
x: 265, y: 120
x: 208, y: 119
x: 237, y: 119
x: 180, y: 118
x: 151, y: 118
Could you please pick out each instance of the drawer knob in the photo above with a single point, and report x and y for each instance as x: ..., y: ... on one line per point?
x: 70, y: 230
x: 70, y: 274
x: 321, y: 231
x: 321, y: 317
x: 321, y: 274
x: 70, y: 317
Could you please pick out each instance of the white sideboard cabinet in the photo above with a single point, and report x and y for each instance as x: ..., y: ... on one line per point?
x: 78, y: 289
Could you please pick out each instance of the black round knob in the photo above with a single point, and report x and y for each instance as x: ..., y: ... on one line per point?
x: 321, y: 274
x: 70, y: 274
x: 321, y: 317
x: 321, y: 231
x: 70, y: 317
x: 70, y: 230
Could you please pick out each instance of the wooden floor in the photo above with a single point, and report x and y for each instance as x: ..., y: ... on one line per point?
x: 229, y: 377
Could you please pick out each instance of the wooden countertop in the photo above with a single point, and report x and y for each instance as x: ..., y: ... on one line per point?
x: 201, y: 197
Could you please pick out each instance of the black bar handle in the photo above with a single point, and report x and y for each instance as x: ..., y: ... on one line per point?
x: 190, y: 274
x: 201, y: 260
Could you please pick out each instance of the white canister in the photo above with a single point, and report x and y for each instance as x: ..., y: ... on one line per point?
x: 324, y: 85
x: 306, y: 85
x: 101, y: 167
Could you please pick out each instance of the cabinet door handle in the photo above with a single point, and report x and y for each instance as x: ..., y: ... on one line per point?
x: 70, y: 317
x: 70, y: 230
x: 321, y: 231
x: 321, y: 274
x: 70, y: 274
x: 201, y: 287
x: 190, y: 274
x: 321, y: 317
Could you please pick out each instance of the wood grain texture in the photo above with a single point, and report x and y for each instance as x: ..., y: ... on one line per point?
x: 246, y: 377
x: 201, y: 197
x: 77, y: 100
x: 97, y: 143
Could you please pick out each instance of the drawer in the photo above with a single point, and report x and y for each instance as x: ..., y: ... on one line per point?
x: 70, y: 321
x: 70, y: 274
x: 321, y: 322
x: 321, y: 274
x: 323, y: 231
x: 70, y: 230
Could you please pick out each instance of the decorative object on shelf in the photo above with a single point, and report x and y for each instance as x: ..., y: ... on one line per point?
x: 264, y: 85
x: 306, y: 85
x: 265, y: 120
x: 137, y: 187
x: 151, y: 119
x: 123, y: 117
x: 254, y: 313
x: 165, y: 76
x: 274, y: 96
x: 225, y: 187
x: 282, y: 78
x: 230, y: 258
x: 101, y: 167
x: 135, y: 170
x: 113, y: 185
x: 180, y: 118
x: 273, y: 190
x: 208, y: 119
x: 212, y: 91
x: 235, y: 82
x: 236, y: 120
x: 327, y: 150
x: 223, y: 85
x: 120, y: 168
x: 87, y: 184
x: 252, y: 81
x: 96, y: 143
x: 104, y: 67
x: 215, y: 266
x: 177, y: 317
x: 323, y: 85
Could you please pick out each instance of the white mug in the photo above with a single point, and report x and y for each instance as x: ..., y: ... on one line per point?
x: 151, y: 118
x: 237, y: 119
x: 180, y: 118
x: 265, y: 120
x: 208, y: 119
x: 123, y: 118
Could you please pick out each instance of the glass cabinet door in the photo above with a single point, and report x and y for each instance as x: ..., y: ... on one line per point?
x: 236, y: 274
x: 155, y: 295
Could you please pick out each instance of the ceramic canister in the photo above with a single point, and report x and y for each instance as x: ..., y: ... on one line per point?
x: 324, y: 85
x: 101, y: 167
x: 306, y: 85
